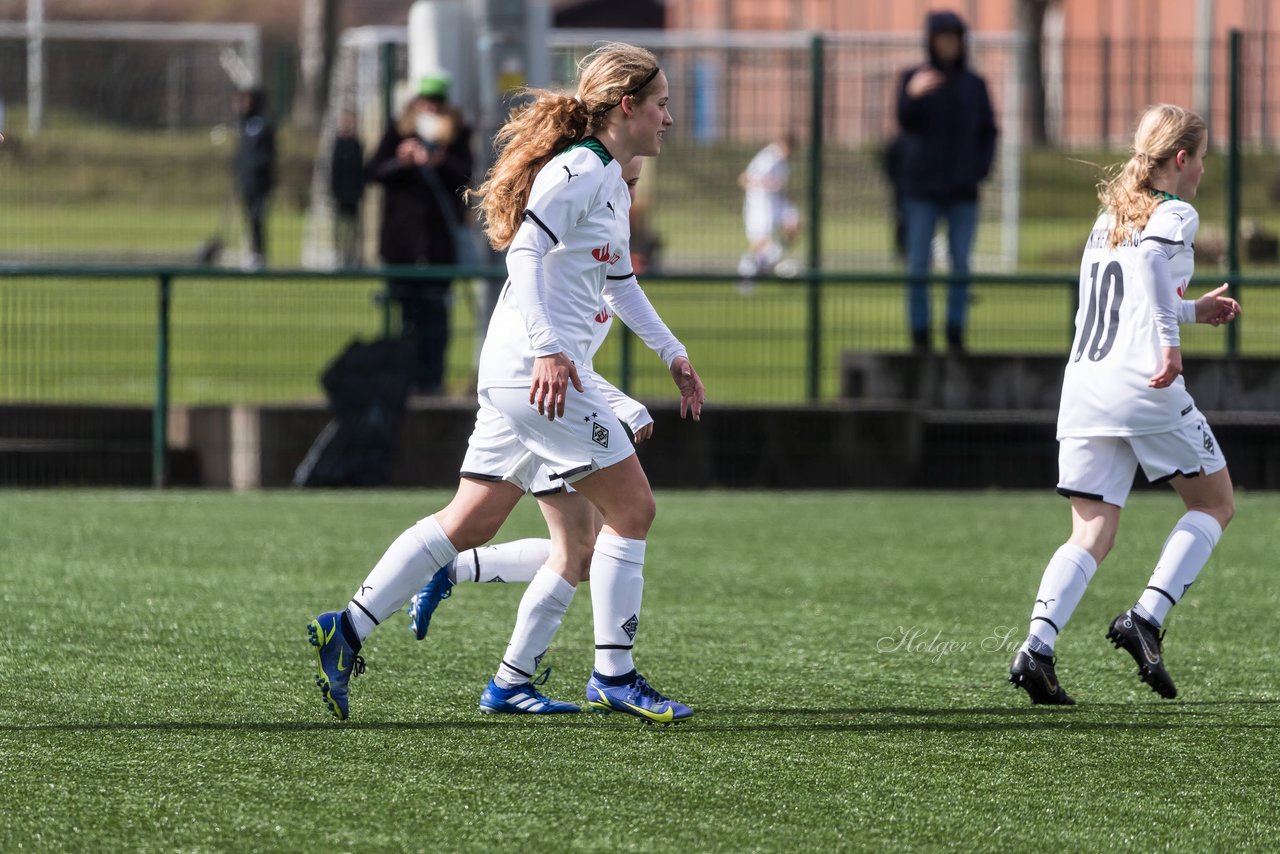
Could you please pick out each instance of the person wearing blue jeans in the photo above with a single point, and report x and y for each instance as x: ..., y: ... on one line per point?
x: 948, y: 134
x: 922, y: 217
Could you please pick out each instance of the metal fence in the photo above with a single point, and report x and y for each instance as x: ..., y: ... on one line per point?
x: 158, y: 329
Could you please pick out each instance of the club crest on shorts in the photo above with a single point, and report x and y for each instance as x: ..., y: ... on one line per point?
x: 600, y: 434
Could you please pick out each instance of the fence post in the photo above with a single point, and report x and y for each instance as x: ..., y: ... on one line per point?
x: 160, y: 414
x: 814, y: 313
x: 1104, y: 95
x: 387, y: 55
x: 1233, y: 188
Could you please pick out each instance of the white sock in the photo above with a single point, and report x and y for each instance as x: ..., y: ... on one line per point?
x: 514, y: 562
x: 404, y: 568
x: 1065, y: 578
x: 1185, y: 553
x: 541, y: 609
x: 617, y: 585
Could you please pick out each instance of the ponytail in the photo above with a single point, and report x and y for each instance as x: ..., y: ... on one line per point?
x: 1163, y: 130
x: 529, y: 139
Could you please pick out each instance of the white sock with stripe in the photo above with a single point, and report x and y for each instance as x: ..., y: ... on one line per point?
x: 542, y: 608
x: 403, y: 569
x: 1061, y: 587
x: 1185, y: 553
x: 617, y: 586
x: 515, y: 562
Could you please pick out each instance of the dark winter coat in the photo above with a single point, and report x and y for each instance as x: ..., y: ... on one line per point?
x: 255, y: 158
x: 418, y: 219
x: 346, y: 173
x: 948, y: 137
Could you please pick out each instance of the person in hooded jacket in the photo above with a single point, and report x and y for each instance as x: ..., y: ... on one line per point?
x: 948, y: 135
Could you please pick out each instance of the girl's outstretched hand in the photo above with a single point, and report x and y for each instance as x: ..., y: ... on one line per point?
x: 1216, y: 309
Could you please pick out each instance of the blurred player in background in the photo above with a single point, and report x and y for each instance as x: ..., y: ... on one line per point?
x: 772, y: 221
x: 556, y: 201
x: 1124, y: 403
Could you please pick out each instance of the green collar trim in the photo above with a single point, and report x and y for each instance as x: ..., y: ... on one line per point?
x: 1166, y: 197
x: 594, y: 145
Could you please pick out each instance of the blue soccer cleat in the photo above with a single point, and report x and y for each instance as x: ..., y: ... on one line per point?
x: 423, y: 604
x: 522, y: 700
x: 636, y: 697
x: 339, y: 661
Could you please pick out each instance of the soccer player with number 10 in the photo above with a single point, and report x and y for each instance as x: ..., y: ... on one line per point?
x: 1124, y: 403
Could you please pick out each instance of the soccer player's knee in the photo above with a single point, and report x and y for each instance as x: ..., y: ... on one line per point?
x: 1225, y: 510
x: 643, y: 511
x: 475, y: 530
x: 1097, y: 540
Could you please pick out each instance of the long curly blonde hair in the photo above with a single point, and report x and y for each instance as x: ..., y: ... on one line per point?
x: 1163, y: 130
x: 537, y: 131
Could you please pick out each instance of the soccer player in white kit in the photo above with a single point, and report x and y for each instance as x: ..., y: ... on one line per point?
x: 767, y: 213
x: 555, y: 199
x: 518, y: 561
x: 1124, y: 403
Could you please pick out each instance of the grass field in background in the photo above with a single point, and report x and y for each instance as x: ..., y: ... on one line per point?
x: 103, y: 195
x: 847, y: 666
x: 267, y: 340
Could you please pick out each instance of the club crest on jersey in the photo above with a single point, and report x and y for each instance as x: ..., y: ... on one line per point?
x: 602, y: 316
x: 600, y: 434
x: 1182, y: 288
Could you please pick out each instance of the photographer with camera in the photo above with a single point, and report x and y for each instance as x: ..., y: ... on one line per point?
x: 423, y: 163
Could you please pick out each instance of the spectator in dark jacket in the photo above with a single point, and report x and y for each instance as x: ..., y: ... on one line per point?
x: 255, y: 167
x: 948, y: 144
x: 423, y: 163
x: 346, y: 183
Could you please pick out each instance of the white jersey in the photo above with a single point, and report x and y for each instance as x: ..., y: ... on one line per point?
x: 1124, y: 293
x: 581, y: 204
x: 767, y: 175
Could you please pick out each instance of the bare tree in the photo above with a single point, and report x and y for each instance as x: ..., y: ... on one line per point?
x: 1031, y: 15
x: 317, y: 46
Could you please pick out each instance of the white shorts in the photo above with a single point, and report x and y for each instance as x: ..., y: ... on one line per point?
x: 1102, y: 467
x: 511, y: 441
x: 762, y: 220
x: 544, y: 484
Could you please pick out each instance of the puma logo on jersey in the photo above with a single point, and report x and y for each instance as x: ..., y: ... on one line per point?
x: 609, y: 205
x: 571, y: 175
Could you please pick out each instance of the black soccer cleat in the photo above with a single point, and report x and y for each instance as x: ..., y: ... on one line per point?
x: 1145, y: 643
x: 1033, y: 673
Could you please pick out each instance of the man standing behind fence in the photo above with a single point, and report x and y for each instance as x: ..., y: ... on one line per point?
x: 948, y: 144
x: 255, y: 168
x: 346, y: 183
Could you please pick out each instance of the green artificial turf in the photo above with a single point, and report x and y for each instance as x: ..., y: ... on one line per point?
x: 846, y: 654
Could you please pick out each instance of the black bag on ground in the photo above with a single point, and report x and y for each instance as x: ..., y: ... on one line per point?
x: 366, y: 386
